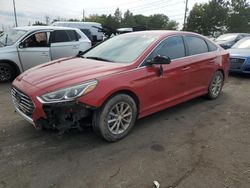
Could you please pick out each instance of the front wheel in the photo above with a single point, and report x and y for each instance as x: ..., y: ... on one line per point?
x: 215, y: 86
x: 116, y: 118
x: 6, y: 72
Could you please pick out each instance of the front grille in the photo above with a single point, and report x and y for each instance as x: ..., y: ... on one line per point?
x: 236, y: 63
x: 22, y: 102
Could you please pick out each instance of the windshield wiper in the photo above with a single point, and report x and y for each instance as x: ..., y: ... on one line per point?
x: 98, y: 58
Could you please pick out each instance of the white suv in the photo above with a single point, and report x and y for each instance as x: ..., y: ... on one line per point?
x: 24, y: 47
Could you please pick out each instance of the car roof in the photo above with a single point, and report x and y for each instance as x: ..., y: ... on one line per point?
x: 69, y: 22
x: 162, y: 33
x: 35, y: 28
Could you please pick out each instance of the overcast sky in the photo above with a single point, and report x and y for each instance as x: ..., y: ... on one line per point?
x: 32, y: 10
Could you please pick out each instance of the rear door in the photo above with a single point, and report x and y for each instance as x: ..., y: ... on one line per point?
x: 64, y: 43
x: 34, y: 50
x: 201, y: 66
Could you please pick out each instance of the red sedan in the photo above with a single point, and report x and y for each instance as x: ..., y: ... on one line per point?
x: 125, y: 78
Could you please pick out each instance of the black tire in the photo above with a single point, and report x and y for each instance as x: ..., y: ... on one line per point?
x: 100, y: 120
x: 214, y: 93
x: 7, y: 73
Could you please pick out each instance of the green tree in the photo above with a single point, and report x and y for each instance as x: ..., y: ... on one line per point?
x: 208, y: 18
x: 194, y: 20
x: 161, y: 21
x: 97, y: 18
x: 118, y: 16
x: 112, y: 22
x: 239, y: 16
x: 141, y: 20
x: 128, y: 19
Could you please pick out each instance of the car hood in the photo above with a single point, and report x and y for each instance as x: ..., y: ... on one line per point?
x: 239, y: 52
x: 68, y: 71
x: 6, y: 49
x: 224, y: 41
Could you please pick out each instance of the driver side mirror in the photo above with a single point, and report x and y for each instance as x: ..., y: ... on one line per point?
x: 159, y: 60
x: 22, y: 45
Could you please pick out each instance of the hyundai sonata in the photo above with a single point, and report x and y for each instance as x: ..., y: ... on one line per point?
x: 127, y: 77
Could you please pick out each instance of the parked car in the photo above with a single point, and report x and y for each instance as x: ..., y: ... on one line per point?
x: 24, y: 47
x: 127, y: 77
x: 226, y: 41
x: 240, y: 56
x: 91, y: 29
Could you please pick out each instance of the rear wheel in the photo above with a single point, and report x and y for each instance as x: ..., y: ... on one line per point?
x: 116, y: 118
x: 7, y: 73
x: 215, y: 86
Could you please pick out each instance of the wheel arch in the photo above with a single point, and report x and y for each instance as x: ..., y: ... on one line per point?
x: 127, y: 92
x: 13, y: 65
x: 222, y: 71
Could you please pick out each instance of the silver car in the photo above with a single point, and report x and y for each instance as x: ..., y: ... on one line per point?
x: 24, y: 47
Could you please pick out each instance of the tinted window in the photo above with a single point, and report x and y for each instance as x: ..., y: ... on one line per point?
x: 78, y: 36
x: 64, y: 36
x: 172, y: 47
x: 211, y: 46
x: 196, y: 45
x: 72, y: 35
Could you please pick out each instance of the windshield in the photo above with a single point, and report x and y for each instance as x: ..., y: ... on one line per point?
x: 243, y: 44
x: 227, y: 37
x: 122, y: 48
x: 11, y: 36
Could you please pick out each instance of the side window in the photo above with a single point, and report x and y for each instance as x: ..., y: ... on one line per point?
x: 196, y: 45
x: 78, y: 36
x: 64, y: 36
x: 36, y: 40
x: 172, y: 47
x: 212, y: 47
x: 72, y: 35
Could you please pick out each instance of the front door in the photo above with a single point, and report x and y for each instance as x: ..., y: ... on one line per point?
x: 34, y: 50
x: 166, y: 86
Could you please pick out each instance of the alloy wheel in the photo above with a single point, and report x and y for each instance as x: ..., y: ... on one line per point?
x: 217, y: 85
x: 119, y: 118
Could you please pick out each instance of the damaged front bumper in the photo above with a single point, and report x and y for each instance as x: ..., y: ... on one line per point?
x: 61, y: 116
x: 64, y: 116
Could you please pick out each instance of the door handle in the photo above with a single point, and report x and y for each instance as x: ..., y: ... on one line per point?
x: 44, y: 54
x: 186, y: 68
x: 75, y: 47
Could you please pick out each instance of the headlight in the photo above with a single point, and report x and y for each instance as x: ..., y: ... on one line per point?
x: 68, y: 94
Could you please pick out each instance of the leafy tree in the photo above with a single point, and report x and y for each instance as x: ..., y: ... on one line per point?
x: 118, y: 16
x: 161, y: 21
x: 194, y: 20
x: 97, y: 18
x: 239, y: 16
x: 112, y: 22
x: 141, y: 20
x: 117, y: 20
x: 208, y: 18
x: 128, y: 19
